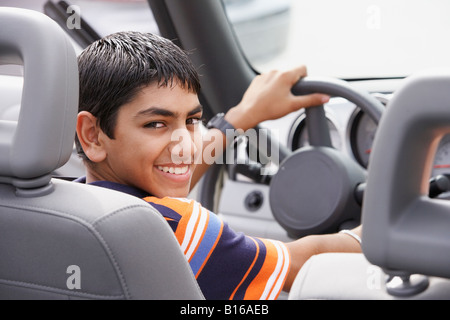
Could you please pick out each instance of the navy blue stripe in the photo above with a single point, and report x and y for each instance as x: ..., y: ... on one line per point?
x: 116, y: 186
x: 173, y: 216
x: 227, y: 265
x: 254, y: 272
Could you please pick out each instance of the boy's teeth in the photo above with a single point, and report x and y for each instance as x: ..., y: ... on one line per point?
x: 174, y: 170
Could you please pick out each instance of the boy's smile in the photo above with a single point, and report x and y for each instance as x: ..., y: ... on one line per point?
x: 156, y: 141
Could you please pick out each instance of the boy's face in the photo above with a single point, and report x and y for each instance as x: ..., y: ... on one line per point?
x: 156, y: 140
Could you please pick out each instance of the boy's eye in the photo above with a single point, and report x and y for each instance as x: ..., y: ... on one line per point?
x: 155, y: 125
x: 194, y: 121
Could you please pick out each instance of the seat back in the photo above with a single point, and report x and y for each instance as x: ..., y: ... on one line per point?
x: 403, y: 228
x: 60, y: 239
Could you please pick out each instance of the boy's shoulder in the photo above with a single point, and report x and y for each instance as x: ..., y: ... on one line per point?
x: 174, y: 208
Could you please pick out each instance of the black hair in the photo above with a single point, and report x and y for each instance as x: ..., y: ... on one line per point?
x: 113, y: 69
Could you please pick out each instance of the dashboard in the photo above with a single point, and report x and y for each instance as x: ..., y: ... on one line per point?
x: 351, y: 130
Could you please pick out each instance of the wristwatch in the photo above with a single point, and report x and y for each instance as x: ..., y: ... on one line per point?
x: 220, y: 123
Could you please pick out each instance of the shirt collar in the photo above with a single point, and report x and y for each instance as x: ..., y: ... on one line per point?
x: 117, y: 186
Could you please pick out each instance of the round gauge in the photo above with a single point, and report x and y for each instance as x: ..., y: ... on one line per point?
x: 299, y: 134
x: 442, y: 158
x: 362, y: 134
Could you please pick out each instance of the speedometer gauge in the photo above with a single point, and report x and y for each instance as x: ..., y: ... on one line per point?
x: 362, y: 134
x: 442, y: 159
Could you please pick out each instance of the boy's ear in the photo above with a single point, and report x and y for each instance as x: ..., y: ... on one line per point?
x: 88, y: 135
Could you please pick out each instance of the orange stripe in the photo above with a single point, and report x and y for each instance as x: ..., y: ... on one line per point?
x: 182, y: 208
x: 185, y: 230
x: 257, y: 286
x: 249, y: 269
x: 195, y: 231
x: 211, y: 251
x: 182, y: 224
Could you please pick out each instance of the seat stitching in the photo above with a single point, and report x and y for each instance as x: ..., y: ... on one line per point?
x: 57, y: 290
x: 90, y: 226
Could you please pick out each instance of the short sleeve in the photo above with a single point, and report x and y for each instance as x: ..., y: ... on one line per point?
x: 226, y: 264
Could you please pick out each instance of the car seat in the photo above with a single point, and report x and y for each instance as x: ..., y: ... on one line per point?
x: 60, y: 239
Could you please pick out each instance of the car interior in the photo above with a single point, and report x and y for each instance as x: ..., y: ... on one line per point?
x: 320, y: 182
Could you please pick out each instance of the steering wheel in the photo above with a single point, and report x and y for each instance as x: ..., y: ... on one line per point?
x: 315, y: 188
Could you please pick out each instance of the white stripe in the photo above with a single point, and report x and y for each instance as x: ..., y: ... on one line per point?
x: 190, y: 227
x: 198, y: 232
x: 273, y: 277
x: 283, y: 274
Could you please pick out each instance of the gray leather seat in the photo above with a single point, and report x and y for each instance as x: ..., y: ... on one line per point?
x: 350, y: 276
x: 59, y: 239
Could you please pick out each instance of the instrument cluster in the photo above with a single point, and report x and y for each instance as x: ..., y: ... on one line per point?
x: 352, y: 131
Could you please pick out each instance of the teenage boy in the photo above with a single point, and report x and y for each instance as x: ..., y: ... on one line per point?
x: 136, y: 91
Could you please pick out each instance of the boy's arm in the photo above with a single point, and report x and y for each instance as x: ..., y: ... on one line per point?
x: 213, y: 140
x: 268, y: 97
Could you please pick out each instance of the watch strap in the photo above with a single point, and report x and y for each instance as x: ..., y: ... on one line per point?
x: 219, y: 122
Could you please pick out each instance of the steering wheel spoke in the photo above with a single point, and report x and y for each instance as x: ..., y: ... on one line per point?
x: 317, y: 126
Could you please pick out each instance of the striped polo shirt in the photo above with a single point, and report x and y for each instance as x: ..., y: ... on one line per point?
x: 226, y: 264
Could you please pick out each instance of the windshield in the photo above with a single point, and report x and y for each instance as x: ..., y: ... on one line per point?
x: 348, y: 38
x: 109, y: 16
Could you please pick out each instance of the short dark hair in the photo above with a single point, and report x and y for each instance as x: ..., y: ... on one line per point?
x: 113, y: 69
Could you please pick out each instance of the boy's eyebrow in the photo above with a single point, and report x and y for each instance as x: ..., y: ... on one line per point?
x: 198, y: 109
x: 156, y: 111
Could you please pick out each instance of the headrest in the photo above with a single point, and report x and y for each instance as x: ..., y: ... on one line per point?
x: 42, y: 140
